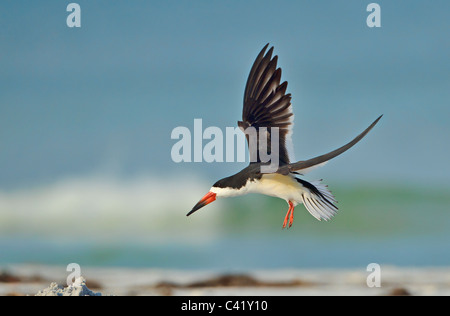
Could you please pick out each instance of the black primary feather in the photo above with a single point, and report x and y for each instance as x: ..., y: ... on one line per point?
x: 266, y: 104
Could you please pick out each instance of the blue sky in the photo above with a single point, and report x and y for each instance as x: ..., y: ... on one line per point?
x: 105, y: 97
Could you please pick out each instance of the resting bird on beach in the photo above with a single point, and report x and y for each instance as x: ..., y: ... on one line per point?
x: 267, y: 106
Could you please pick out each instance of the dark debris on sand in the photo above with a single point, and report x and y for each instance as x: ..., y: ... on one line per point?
x: 227, y: 280
x: 6, y: 277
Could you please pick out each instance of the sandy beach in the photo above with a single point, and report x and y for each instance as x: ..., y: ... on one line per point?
x: 20, y: 280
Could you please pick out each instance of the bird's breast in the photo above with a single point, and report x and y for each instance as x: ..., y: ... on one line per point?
x: 281, y: 186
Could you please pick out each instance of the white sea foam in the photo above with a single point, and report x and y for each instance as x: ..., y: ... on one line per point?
x: 109, y: 206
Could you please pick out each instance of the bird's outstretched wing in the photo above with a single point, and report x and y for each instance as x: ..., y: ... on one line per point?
x: 266, y: 105
x: 301, y: 165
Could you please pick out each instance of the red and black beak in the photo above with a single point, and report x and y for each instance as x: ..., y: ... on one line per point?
x: 208, y: 198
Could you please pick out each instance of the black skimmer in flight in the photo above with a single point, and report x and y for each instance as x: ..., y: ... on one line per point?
x: 266, y: 105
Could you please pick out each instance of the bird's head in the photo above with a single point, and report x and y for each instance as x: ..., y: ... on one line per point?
x: 222, y: 188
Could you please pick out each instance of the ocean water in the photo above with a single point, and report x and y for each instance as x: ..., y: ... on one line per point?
x: 98, y: 221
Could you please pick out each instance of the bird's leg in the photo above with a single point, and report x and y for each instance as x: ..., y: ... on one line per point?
x: 286, y: 218
x: 289, y: 215
x: 291, y: 219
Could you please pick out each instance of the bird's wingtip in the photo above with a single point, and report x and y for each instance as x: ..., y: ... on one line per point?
x: 376, y: 121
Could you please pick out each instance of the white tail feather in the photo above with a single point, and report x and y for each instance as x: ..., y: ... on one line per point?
x: 321, y: 205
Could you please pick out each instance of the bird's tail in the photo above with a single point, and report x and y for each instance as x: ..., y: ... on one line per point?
x: 319, y: 202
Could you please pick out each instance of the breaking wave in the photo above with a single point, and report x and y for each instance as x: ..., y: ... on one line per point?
x: 145, y: 206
